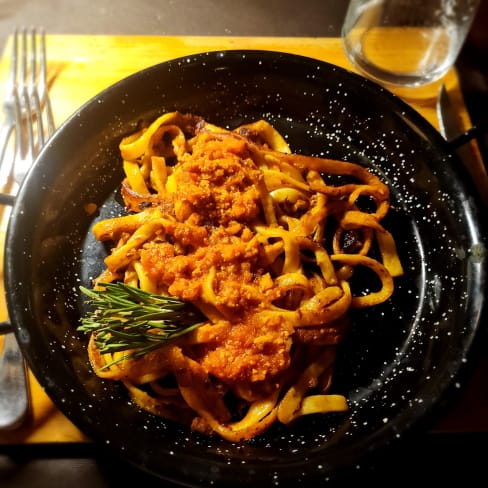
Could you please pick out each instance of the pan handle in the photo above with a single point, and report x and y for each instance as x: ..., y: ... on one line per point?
x: 7, y: 199
x: 472, y: 133
x: 5, y: 327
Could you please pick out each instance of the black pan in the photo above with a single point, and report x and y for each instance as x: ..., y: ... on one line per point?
x: 399, y: 360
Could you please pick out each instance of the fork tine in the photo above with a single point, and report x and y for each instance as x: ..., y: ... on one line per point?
x: 24, y: 146
x: 33, y: 91
x: 43, y: 88
x: 13, y: 65
x: 7, y: 129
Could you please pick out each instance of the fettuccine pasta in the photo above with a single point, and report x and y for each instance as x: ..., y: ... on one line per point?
x: 265, y: 243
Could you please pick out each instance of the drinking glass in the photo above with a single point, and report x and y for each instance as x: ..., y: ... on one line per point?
x: 406, y: 42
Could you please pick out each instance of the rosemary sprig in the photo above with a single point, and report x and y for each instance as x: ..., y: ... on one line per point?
x: 126, y: 318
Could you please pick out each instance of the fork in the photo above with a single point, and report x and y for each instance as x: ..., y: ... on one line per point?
x: 28, y: 116
x: 32, y: 106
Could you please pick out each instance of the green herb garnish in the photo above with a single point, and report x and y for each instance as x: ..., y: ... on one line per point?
x: 128, y: 318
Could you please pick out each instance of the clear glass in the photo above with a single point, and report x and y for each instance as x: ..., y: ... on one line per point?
x: 406, y: 42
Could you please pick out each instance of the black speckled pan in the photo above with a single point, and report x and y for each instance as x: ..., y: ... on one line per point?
x: 399, y: 360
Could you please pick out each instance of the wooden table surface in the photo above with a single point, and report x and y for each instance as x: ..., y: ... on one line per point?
x: 80, y: 66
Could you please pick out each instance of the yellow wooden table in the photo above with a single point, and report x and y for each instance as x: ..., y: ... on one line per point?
x: 80, y: 66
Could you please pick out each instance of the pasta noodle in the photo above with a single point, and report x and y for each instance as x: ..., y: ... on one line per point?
x: 265, y: 244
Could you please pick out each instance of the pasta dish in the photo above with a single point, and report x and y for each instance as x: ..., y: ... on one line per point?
x: 251, y: 252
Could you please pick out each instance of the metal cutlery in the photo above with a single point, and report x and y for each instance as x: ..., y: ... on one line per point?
x: 14, y: 393
x: 29, y: 120
x: 458, y: 139
x: 450, y: 125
